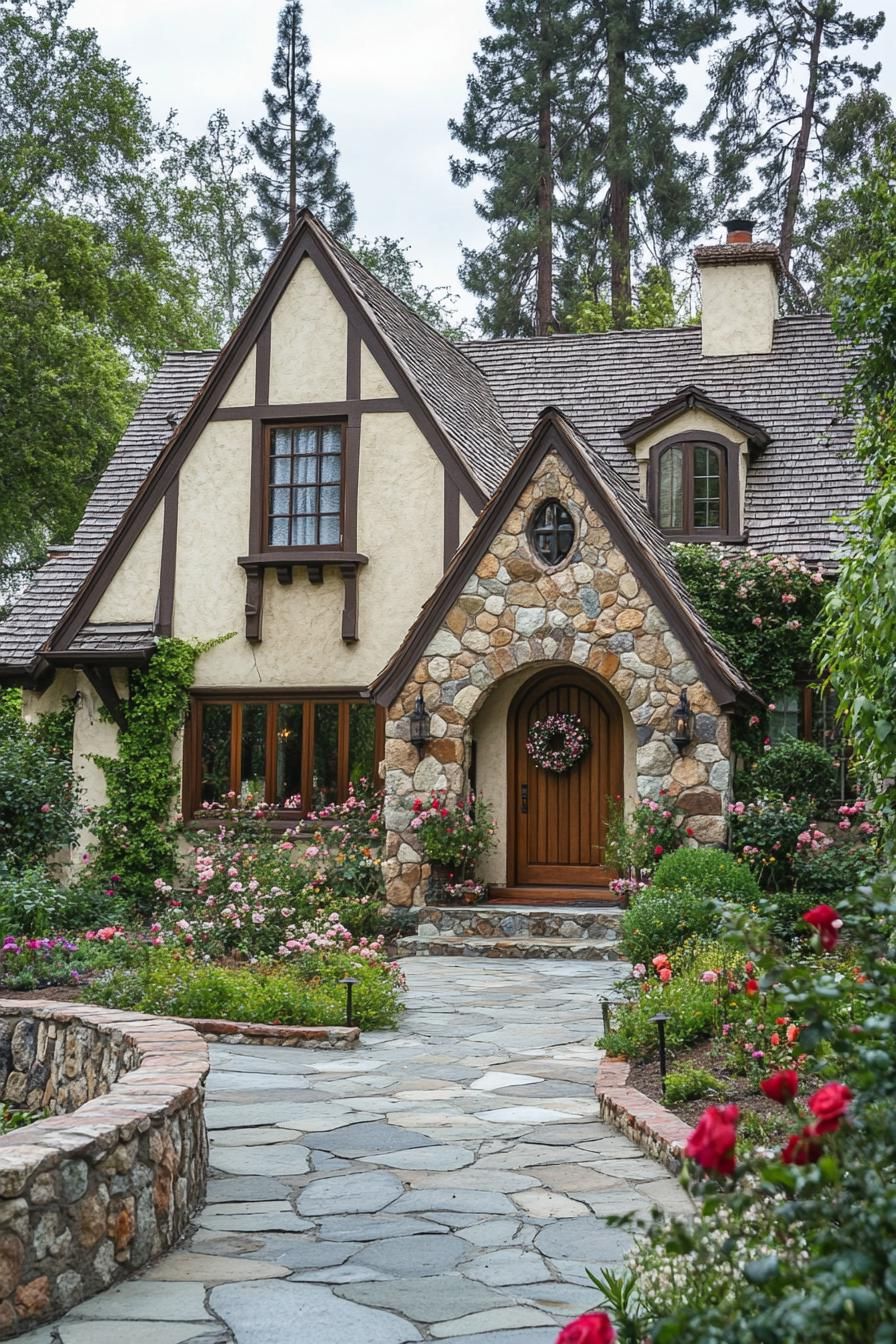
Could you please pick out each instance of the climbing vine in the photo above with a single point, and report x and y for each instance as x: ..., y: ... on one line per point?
x: 136, y: 842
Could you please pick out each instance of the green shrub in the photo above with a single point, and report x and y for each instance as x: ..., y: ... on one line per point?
x: 659, y: 921
x: 795, y: 769
x: 689, y: 1083
x: 707, y: 872
x: 38, y: 795
x: 306, y: 992
x: 33, y: 905
x: 691, y: 1009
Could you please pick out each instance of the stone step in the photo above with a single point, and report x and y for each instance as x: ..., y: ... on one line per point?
x: 565, y: 949
x: 578, y: 923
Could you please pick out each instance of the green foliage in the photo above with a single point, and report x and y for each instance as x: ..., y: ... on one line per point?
x: 858, y: 630
x: 788, y: 1252
x: 455, y: 836
x: 692, y: 1012
x: 33, y: 905
x: 713, y: 873
x: 391, y: 262
x: 655, y: 304
x: 661, y: 920
x: 690, y: 1083
x: 745, y: 600
x: 799, y: 770
x: 136, y: 842
x: 305, y: 993
x: 294, y: 142
x: 39, y: 810
x: 11, y: 1119
x: 637, y: 842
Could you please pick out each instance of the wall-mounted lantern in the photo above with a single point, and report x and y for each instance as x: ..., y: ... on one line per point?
x: 682, y: 722
x: 419, y: 725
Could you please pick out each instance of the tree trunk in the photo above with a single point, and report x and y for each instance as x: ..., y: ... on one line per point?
x: 798, y: 167
x: 292, y: 121
x: 544, y: 289
x: 618, y: 172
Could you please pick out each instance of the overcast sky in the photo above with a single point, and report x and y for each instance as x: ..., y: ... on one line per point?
x: 392, y: 72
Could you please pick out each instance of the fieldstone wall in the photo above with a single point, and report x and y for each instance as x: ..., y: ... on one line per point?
x: 113, y: 1177
x: 591, y: 611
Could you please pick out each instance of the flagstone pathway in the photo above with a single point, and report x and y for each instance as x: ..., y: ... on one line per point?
x: 449, y: 1181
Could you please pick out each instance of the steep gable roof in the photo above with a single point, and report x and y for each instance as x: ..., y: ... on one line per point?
x: 633, y: 531
x: 447, y: 394
x: 689, y: 399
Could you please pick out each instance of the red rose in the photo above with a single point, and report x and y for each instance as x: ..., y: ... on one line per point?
x: 595, y: 1328
x: 417, y: 804
x: 749, y: 967
x: 801, y: 1149
x: 825, y: 919
x: 658, y: 849
x: 689, y: 831
x: 828, y: 1105
x: 752, y: 986
x: 712, y: 1143
x: 782, y: 1086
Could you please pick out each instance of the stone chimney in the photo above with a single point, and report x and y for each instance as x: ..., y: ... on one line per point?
x: 739, y: 281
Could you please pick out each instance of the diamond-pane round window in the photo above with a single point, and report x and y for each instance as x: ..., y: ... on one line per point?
x: 552, y: 532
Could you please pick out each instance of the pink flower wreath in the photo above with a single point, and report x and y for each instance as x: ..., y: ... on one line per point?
x: 558, y: 742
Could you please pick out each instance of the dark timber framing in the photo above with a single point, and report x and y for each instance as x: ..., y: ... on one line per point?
x: 451, y: 522
x: 553, y: 433
x: 168, y: 563
x: 305, y: 240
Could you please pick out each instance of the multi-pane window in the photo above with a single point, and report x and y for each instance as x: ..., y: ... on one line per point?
x: 294, y: 753
x: 305, y: 485
x: 690, y: 489
x: 552, y: 532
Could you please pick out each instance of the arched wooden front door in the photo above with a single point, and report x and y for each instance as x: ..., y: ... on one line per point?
x: 558, y: 823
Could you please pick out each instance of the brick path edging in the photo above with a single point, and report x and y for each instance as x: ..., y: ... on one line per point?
x: 657, y: 1131
x: 113, y: 1177
x: 221, y: 1031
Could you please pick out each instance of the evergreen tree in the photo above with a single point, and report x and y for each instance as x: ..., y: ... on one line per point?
x: 294, y: 142
x: 571, y: 117
x: 390, y: 260
x: 774, y: 91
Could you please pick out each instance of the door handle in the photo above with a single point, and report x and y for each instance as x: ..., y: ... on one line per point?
x: 524, y: 798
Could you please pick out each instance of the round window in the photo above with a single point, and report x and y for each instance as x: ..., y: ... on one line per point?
x: 552, y: 532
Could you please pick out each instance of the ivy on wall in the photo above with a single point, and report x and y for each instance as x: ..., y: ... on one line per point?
x: 136, y: 842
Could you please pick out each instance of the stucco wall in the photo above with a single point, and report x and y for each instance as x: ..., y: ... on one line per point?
x: 241, y: 391
x: 374, y: 382
x: 134, y: 590
x: 739, y: 307
x: 308, y: 341
x: 592, y: 612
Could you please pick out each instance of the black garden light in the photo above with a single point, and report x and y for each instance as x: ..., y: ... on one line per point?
x: 661, y: 1019
x: 419, y: 725
x: 349, y: 981
x: 682, y: 722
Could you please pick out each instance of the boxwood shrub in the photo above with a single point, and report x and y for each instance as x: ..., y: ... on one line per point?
x: 707, y: 872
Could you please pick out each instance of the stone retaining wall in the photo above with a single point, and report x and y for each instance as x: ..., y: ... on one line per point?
x: 646, y: 1122
x: 483, y: 921
x: 113, y: 1177
x: 224, y: 1032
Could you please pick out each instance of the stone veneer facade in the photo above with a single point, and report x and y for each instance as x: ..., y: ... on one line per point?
x: 113, y: 1176
x: 592, y: 611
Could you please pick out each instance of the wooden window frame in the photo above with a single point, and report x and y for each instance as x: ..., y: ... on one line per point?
x: 729, y: 486
x: 236, y: 698
x: 271, y: 548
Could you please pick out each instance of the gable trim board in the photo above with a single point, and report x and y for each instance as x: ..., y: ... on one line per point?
x: 626, y: 526
x: 309, y: 240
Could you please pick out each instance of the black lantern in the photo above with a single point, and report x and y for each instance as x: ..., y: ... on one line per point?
x: 681, y: 722
x: 419, y: 725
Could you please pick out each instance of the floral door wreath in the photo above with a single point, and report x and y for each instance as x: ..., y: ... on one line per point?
x: 558, y: 742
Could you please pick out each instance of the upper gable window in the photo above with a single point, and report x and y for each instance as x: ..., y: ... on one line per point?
x: 305, y: 472
x: 552, y: 532
x: 689, y: 488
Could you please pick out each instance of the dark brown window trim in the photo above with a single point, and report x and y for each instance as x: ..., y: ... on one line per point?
x: 730, y: 464
x: 316, y: 410
x: 307, y: 696
x: 336, y: 547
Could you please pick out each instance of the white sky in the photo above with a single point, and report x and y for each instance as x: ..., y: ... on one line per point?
x: 392, y: 72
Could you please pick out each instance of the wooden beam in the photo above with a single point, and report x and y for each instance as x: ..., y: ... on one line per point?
x: 101, y: 680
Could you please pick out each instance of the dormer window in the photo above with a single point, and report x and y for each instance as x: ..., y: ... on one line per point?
x: 693, y: 487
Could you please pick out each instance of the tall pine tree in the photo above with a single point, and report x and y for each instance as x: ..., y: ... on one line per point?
x: 294, y: 142
x: 775, y: 90
x: 571, y: 118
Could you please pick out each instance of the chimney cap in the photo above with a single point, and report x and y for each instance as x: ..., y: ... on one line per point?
x: 740, y: 229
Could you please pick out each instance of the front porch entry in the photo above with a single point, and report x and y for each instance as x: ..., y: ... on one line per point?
x: 557, y: 823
